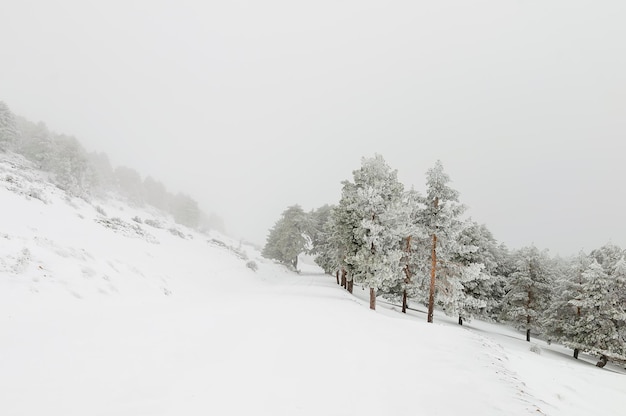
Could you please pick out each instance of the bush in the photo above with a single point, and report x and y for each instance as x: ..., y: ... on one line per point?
x: 252, y: 265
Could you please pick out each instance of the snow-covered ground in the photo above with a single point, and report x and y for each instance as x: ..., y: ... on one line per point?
x: 104, y: 314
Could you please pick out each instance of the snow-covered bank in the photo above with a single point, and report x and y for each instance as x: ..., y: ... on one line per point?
x: 103, y: 314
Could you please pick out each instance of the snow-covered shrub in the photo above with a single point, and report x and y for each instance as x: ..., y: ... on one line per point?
x: 153, y: 223
x: 252, y: 265
x: 177, y: 233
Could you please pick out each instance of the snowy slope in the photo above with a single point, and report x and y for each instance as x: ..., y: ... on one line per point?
x: 103, y: 314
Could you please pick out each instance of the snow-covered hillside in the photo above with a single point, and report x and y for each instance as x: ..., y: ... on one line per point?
x: 107, y: 309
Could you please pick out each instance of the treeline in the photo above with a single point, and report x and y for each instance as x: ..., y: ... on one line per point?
x: 405, y: 246
x: 82, y: 174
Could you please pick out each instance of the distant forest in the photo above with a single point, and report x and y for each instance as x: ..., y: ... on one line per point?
x: 86, y: 174
x: 403, y: 245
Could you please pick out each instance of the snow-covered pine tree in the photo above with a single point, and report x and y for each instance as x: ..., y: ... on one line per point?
x: 607, y: 256
x: 416, y: 248
x: 598, y: 330
x: 344, y: 220
x: 378, y: 205
x: 324, y: 246
x: 478, y: 284
x: 8, y: 127
x: 70, y: 165
x: 619, y: 289
x: 562, y: 318
x: 441, y: 220
x: 36, y: 143
x: 289, y: 237
x: 318, y: 219
x: 528, y: 290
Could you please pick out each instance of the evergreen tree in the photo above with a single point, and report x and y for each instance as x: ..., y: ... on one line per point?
x: 101, y: 175
x: 323, y: 245
x: 381, y: 227
x: 528, y: 290
x: 155, y: 193
x: 478, y: 267
x: 130, y: 185
x: 70, y: 165
x: 36, y: 143
x: 289, y: 237
x: 8, y: 128
x: 345, y: 219
x: 415, y: 252
x: 185, y: 210
x: 563, y: 317
x: 318, y: 220
x: 601, y: 316
x: 441, y: 219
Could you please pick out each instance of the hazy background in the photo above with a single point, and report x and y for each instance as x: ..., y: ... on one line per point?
x: 251, y: 106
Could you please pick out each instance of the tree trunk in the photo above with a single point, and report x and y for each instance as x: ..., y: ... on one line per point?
x: 576, y: 353
x: 350, y: 285
x: 295, y: 263
x: 344, y: 281
x: 528, y: 319
x: 603, y: 361
x: 372, y: 298
x: 431, y: 292
x: 404, y: 301
x: 460, y: 320
x: 337, y: 275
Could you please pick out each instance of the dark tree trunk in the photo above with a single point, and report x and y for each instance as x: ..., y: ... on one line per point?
x: 295, y: 263
x: 344, y: 281
x: 528, y: 319
x: 407, y: 272
x: 337, y: 275
x: 603, y: 361
x: 576, y: 353
x: 404, y: 301
x: 431, y: 292
x: 350, y: 285
x: 372, y: 298
x: 433, y: 266
x: 460, y: 320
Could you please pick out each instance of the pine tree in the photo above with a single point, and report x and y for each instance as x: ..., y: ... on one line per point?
x: 344, y: 220
x: 599, y: 328
x: 441, y: 219
x: 70, y: 165
x: 478, y: 267
x: 528, y: 290
x: 415, y: 251
x: 8, y: 128
x: 562, y: 317
x: 381, y: 228
x: 289, y: 237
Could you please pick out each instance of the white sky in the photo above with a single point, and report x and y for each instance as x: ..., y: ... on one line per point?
x: 252, y: 106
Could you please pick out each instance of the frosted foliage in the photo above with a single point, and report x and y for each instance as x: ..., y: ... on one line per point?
x: 378, y: 217
x: 562, y: 316
x: 8, y: 127
x: 598, y: 327
x: 441, y: 217
x: 454, y: 292
x: 528, y: 290
x: 289, y: 237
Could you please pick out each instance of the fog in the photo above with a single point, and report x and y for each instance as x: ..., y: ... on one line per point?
x: 252, y: 106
